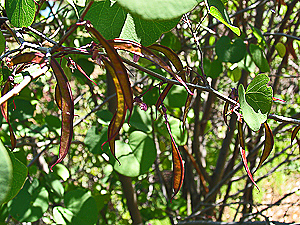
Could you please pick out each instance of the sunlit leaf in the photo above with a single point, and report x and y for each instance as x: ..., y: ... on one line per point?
x: 115, y: 22
x: 269, y: 143
x: 137, y: 156
x: 256, y: 102
x: 67, y: 106
x: 217, y: 10
x: 157, y: 9
x: 281, y: 49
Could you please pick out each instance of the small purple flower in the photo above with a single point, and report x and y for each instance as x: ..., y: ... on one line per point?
x: 142, y: 105
x: 136, y: 58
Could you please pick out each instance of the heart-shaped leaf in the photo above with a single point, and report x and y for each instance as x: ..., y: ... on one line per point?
x: 228, y: 51
x: 256, y: 102
x: 137, y: 156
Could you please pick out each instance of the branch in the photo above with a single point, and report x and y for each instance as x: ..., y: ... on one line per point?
x: 17, y: 89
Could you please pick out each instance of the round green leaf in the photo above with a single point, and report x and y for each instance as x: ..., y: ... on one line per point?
x: 259, y: 58
x: 83, y: 207
x: 20, y: 12
x: 158, y: 9
x: 2, y: 43
x: 281, y: 49
x: 30, y: 203
x: 213, y: 69
x: 6, y: 173
x: 228, y: 51
x: 256, y: 102
x: 136, y: 157
x: 19, y: 176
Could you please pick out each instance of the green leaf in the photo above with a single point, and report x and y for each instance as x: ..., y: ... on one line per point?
x: 20, y: 12
x: 94, y: 139
x: 258, y: 34
x: 112, y: 21
x: 6, y: 173
x: 54, y: 185
x: 31, y: 202
x: 281, y: 49
x: 259, y: 58
x: 104, y: 117
x: 179, y: 134
x: 19, y: 176
x: 62, y: 215
x: 61, y: 171
x: 217, y: 10
x: 228, y: 51
x: 256, y: 102
x: 136, y: 157
x: 247, y: 64
x: 141, y: 120
x: 158, y: 9
x: 24, y: 110
x: 83, y: 207
x: 235, y: 74
x: 213, y: 69
x: 2, y: 43
x: 176, y: 97
x: 52, y: 122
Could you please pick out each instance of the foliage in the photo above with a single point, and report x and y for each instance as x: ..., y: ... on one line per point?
x: 130, y: 129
